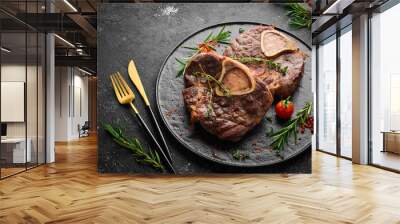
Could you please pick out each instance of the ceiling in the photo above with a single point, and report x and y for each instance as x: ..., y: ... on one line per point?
x: 332, y: 15
x: 72, y: 20
x: 16, y: 42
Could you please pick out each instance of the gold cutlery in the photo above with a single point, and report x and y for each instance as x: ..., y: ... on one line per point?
x: 125, y: 96
x: 134, y: 75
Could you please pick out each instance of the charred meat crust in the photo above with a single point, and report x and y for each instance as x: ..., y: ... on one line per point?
x: 227, y: 117
x: 248, y: 44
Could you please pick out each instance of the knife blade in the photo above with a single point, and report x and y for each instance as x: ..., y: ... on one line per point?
x: 134, y: 75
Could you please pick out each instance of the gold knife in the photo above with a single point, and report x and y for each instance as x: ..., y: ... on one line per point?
x: 134, y: 75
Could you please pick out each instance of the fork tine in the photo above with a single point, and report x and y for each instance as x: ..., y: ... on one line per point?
x: 127, y: 88
x: 116, y: 90
x: 119, y: 85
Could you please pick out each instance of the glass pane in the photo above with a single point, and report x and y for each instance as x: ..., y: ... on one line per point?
x: 31, y: 98
x: 13, y: 87
x: 41, y: 98
x: 327, y: 96
x: 385, y: 84
x: 31, y: 88
x: 346, y: 93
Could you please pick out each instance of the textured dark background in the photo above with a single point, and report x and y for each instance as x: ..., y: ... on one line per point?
x: 148, y: 34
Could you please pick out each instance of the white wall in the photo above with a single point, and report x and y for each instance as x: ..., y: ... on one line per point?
x: 80, y: 110
x: 16, y: 73
x: 9, y: 73
x: 61, y: 103
x: 33, y: 127
x: 71, y: 102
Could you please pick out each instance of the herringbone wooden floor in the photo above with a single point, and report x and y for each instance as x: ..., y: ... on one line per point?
x: 71, y: 191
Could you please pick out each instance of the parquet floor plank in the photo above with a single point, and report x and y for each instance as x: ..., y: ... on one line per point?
x: 71, y: 191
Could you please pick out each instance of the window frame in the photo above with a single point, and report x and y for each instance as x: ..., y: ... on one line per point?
x: 27, y: 29
x: 339, y: 33
x: 381, y: 9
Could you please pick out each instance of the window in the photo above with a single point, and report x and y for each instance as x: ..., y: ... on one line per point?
x: 346, y: 92
x: 385, y: 89
x: 327, y: 95
x: 22, y: 76
x: 334, y: 106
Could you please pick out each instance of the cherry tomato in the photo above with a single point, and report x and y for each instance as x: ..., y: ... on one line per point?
x: 284, y: 109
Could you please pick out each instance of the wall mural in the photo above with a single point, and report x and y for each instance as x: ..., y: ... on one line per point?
x: 204, y: 88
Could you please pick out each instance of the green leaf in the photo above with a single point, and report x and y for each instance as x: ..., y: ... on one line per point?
x: 221, y: 31
x: 281, y: 137
x: 270, y: 132
x: 208, y: 37
x: 271, y: 64
x: 300, y: 17
x: 182, y: 66
x: 157, y: 157
x: 222, y: 37
x: 180, y: 61
x: 191, y: 48
x: 237, y: 155
x: 135, y: 146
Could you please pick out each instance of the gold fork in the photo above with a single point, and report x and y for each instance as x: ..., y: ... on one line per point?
x: 125, y: 96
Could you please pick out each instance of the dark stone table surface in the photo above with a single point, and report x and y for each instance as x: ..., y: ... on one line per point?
x: 148, y: 32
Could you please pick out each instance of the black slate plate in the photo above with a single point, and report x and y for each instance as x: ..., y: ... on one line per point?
x: 256, y: 144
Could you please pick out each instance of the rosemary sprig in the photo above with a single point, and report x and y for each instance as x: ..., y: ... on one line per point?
x: 151, y: 158
x: 182, y: 65
x: 237, y: 155
x: 281, y: 137
x: 300, y: 17
x: 191, y: 48
x: 271, y: 64
x: 210, y: 96
x: 209, y: 43
x: 209, y: 107
x: 270, y: 132
x: 211, y: 79
x: 222, y: 37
